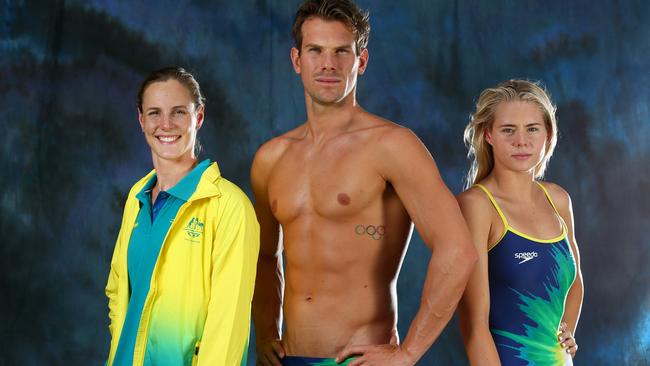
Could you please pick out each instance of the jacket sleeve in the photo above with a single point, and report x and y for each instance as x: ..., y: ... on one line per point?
x: 113, y: 290
x: 225, y: 334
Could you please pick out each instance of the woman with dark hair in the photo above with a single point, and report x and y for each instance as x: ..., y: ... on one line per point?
x: 522, y: 303
x: 183, y: 269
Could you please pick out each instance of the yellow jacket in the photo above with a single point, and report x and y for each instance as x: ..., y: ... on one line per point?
x: 202, y: 284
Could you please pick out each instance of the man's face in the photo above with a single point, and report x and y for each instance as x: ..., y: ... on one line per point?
x: 328, y: 62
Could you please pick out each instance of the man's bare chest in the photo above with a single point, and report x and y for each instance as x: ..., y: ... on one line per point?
x: 335, y: 185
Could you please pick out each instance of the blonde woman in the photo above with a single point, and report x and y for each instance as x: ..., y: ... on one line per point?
x: 523, y: 301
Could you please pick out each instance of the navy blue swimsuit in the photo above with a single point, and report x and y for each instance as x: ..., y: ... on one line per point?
x: 529, y: 280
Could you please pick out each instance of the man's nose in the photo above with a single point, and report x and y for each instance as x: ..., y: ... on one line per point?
x: 329, y: 61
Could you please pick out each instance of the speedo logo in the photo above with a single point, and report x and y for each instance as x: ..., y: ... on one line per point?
x: 525, y: 256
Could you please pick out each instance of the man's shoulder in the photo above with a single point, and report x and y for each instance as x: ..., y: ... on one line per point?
x: 270, y: 151
x: 276, y: 146
x: 392, y: 138
x: 386, y: 131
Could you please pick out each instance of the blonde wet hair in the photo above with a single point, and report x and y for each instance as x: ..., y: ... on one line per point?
x: 480, y: 152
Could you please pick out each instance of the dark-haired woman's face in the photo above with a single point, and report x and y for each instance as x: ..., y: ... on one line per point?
x: 170, y: 120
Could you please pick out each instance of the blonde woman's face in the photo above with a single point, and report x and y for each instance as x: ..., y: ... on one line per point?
x: 518, y: 136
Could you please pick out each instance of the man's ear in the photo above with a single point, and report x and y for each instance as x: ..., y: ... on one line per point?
x: 295, y: 59
x: 363, y: 61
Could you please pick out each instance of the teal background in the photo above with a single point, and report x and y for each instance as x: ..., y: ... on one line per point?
x: 71, y: 146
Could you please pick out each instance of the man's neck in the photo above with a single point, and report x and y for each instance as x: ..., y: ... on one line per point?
x: 324, y: 120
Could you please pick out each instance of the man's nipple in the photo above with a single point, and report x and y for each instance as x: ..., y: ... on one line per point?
x: 343, y: 199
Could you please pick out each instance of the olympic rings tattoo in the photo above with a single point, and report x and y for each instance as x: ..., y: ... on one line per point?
x: 360, y: 230
x: 375, y: 232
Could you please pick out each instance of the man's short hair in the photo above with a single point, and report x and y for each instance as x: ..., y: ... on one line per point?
x: 345, y: 11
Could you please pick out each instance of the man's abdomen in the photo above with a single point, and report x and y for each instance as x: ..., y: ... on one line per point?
x: 322, y: 323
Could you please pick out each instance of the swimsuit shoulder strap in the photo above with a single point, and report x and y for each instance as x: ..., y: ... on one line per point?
x: 495, y: 204
x: 548, y: 197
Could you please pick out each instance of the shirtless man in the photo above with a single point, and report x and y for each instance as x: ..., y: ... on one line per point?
x: 339, y: 195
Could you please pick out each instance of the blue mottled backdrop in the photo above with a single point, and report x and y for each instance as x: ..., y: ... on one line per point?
x: 71, y: 145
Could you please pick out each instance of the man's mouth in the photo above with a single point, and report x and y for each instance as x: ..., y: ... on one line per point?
x: 328, y: 80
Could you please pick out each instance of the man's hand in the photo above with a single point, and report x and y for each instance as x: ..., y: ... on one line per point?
x: 376, y: 355
x: 269, y: 353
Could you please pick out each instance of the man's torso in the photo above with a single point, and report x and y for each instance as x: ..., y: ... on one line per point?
x: 345, y: 232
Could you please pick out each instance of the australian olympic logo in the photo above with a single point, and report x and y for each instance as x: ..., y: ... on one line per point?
x: 194, y: 229
x: 375, y: 232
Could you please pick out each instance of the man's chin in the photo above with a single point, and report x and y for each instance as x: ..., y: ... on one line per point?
x: 328, y: 100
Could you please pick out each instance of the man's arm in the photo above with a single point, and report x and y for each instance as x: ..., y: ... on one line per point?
x: 269, y: 286
x: 407, y: 165
x: 234, y: 256
x: 474, y: 307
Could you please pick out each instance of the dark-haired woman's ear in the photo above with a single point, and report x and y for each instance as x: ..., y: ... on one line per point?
x: 200, y: 116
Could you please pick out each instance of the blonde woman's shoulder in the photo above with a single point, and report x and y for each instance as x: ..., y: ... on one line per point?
x: 473, y: 200
x: 559, y: 195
